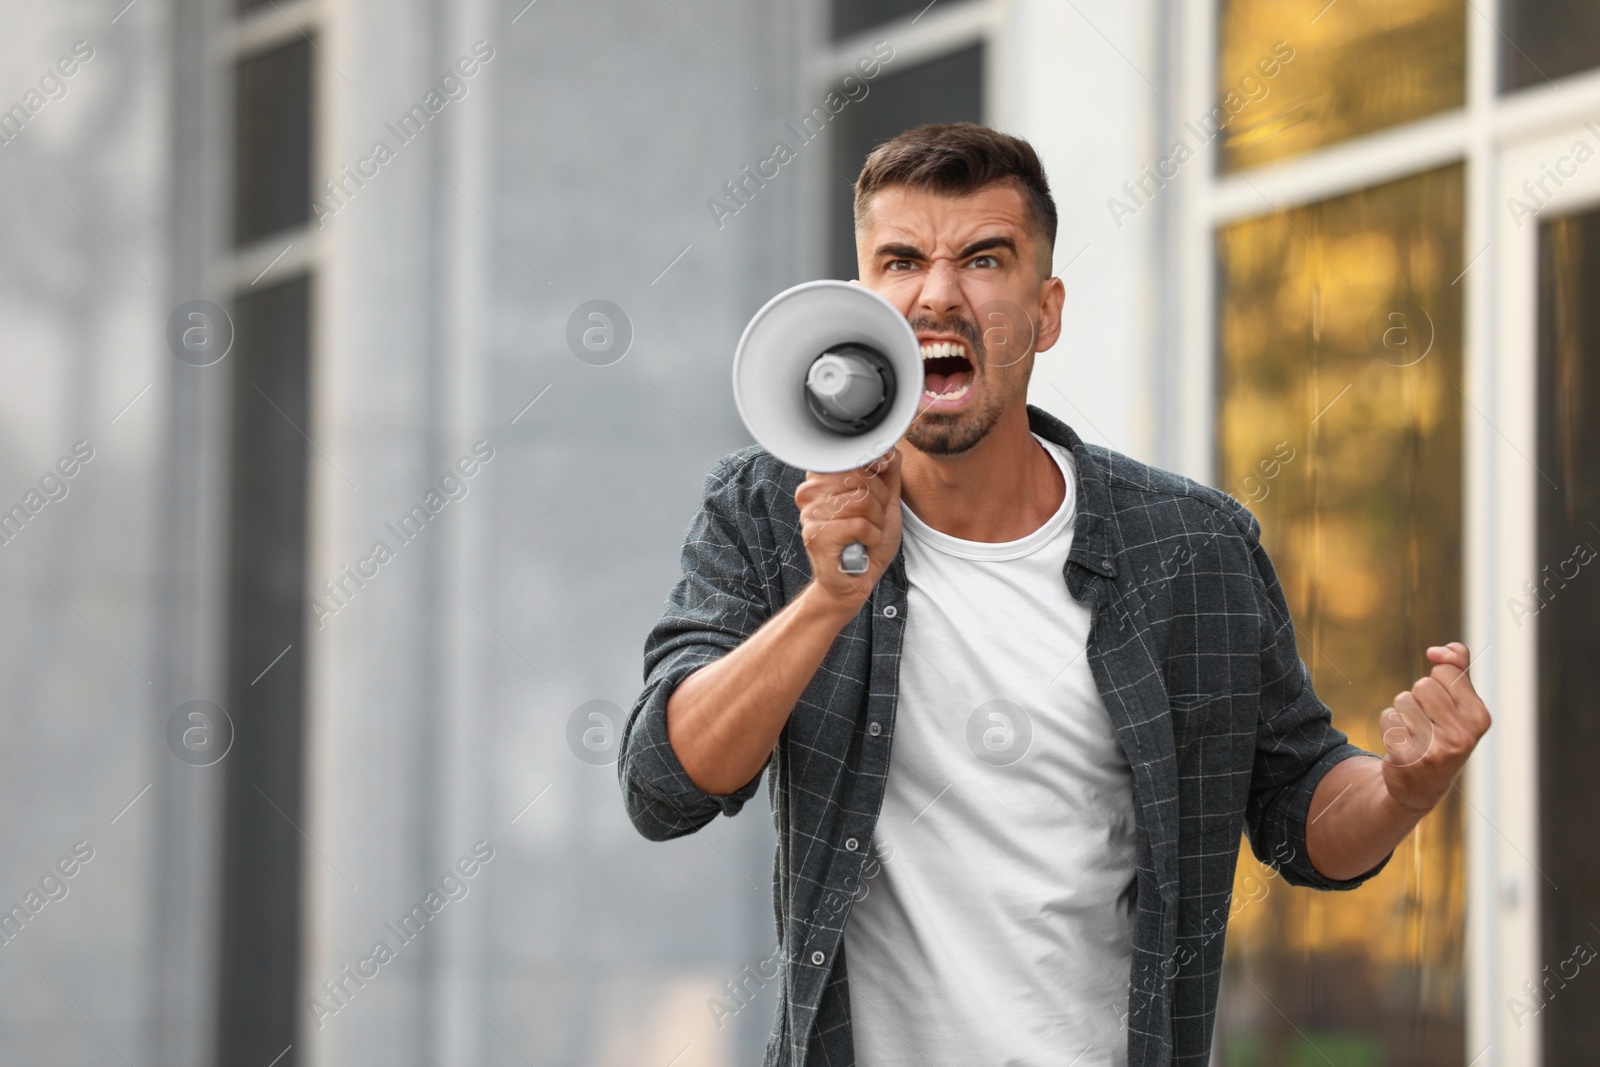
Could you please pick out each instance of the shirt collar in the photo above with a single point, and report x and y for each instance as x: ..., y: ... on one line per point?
x: 1091, y: 542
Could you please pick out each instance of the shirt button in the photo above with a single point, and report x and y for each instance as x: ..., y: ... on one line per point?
x: 874, y: 729
x: 1106, y: 563
x: 817, y: 958
x: 890, y: 612
x: 851, y: 844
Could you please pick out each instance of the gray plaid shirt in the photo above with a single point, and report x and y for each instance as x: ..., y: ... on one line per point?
x: 1194, y: 653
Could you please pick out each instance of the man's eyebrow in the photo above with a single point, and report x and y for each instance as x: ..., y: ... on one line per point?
x: 900, y: 251
x: 986, y: 243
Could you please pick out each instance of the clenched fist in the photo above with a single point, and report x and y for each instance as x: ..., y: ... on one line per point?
x: 837, y: 509
x: 1431, y: 730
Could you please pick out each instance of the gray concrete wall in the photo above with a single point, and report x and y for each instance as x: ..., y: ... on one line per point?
x: 110, y: 613
x: 576, y: 168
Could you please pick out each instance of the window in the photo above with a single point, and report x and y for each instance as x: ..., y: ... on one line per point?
x: 1340, y: 427
x: 948, y: 88
x: 259, y: 1011
x: 1295, y: 76
x: 272, y: 137
x: 1547, y: 39
x: 267, y: 604
x: 1563, y: 602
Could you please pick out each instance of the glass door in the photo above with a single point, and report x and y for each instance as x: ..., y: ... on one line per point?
x: 1565, y: 595
x: 1547, y: 463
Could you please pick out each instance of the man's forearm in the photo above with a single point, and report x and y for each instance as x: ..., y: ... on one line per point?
x: 723, y: 719
x: 1364, y: 807
x: 1354, y: 822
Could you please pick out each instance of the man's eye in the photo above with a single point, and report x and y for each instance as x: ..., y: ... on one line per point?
x: 899, y: 264
x: 984, y: 261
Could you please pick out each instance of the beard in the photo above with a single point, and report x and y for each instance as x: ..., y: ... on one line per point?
x: 950, y: 433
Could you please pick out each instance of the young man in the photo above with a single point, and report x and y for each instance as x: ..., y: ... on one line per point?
x: 1010, y: 763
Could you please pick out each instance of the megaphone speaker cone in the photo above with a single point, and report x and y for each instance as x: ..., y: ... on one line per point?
x: 839, y: 337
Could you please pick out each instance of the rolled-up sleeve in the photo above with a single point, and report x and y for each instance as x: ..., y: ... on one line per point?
x: 1296, y: 741
x: 720, y: 601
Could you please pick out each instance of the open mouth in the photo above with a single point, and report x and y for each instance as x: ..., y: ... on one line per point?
x: 946, y: 370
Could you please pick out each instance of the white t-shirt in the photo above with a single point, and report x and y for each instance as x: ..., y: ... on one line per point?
x: 998, y: 926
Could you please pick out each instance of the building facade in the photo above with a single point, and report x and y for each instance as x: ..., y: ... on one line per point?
x: 367, y: 359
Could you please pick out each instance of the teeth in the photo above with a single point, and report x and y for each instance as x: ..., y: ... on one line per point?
x: 949, y: 394
x: 943, y: 348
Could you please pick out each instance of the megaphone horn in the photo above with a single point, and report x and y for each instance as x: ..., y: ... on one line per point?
x: 827, y: 378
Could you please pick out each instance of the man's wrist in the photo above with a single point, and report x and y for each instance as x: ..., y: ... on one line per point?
x: 1399, y: 810
x: 817, y: 604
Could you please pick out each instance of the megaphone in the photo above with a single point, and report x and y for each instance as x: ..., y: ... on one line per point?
x: 827, y: 377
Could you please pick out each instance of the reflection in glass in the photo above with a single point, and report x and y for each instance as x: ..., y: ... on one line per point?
x: 1546, y: 39
x: 1563, y: 602
x: 1355, y: 66
x: 1340, y: 427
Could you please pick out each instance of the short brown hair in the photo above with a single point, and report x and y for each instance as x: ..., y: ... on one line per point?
x: 957, y: 158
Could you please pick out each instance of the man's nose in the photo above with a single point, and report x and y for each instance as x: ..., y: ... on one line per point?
x: 941, y: 292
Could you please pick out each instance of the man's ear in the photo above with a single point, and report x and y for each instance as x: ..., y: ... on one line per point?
x: 1052, y: 299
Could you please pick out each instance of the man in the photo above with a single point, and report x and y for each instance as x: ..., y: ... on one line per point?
x: 1084, y: 669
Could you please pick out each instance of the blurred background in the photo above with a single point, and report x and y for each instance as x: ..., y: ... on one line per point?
x: 363, y: 362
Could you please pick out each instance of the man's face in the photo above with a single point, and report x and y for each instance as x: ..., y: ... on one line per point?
x: 971, y: 276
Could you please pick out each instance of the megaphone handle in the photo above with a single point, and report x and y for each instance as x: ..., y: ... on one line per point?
x: 853, y: 560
